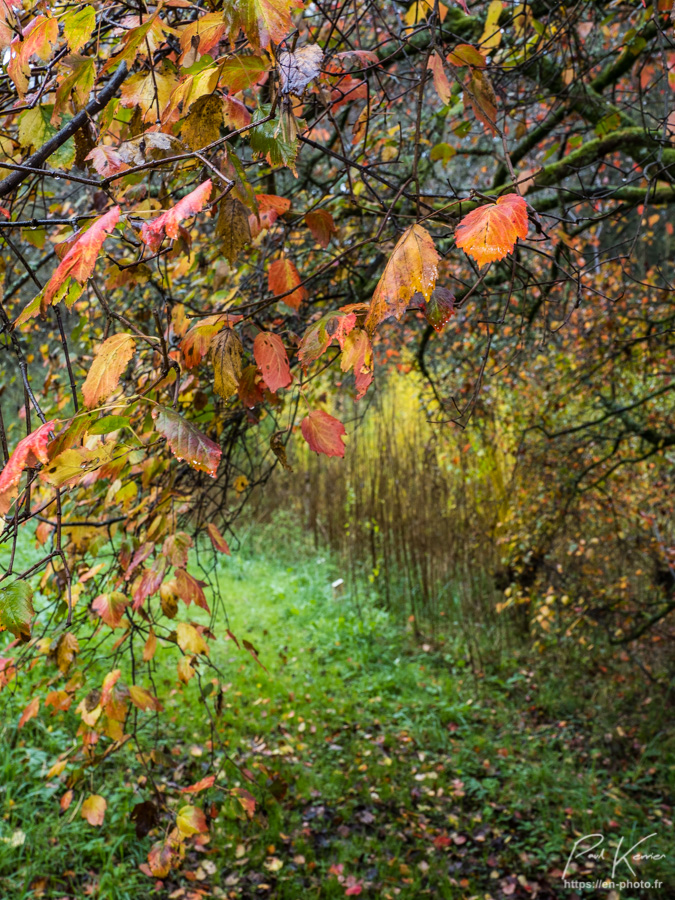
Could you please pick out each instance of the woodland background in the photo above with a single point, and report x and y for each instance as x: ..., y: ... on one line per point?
x: 337, y: 427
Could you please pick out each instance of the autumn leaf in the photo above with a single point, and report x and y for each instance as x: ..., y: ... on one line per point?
x: 357, y: 354
x: 143, y: 699
x: 480, y: 95
x: 197, y: 342
x: 29, y: 452
x: 241, y: 72
x: 263, y: 21
x: 324, y: 433
x: 67, y: 648
x: 79, y: 261
x: 160, y: 858
x: 203, y: 784
x: 218, y: 541
x: 489, y: 233
x: 16, y: 608
x: 284, y: 281
x: 412, y: 267
x: 440, y: 79
x: 297, y: 69
x: 233, y: 227
x: 191, y: 820
x: 176, y: 548
x: 93, y: 809
x: 78, y: 25
x: 440, y: 308
x: 187, y: 442
x: 166, y: 225
x: 110, y: 361
x: 110, y: 607
x: 30, y: 711
x: 36, y: 40
x: 226, y: 351
x: 272, y: 359
x: 190, y: 590
x: 321, y: 225
x: 189, y: 639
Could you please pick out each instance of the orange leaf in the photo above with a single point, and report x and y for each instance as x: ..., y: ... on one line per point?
x: 143, y: 699
x: 111, y: 359
x: 321, y: 224
x: 93, y: 809
x: 30, y: 711
x: 441, y: 83
x: 166, y: 225
x: 323, y: 433
x: 37, y: 39
x: 272, y: 359
x: 28, y: 452
x: 412, y: 267
x: 218, y: 541
x: 206, y: 782
x: 282, y: 278
x: 490, y: 232
x: 79, y: 261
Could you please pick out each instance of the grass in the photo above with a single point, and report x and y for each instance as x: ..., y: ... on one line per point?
x: 381, y: 766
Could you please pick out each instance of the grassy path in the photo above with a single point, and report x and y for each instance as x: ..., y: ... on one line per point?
x: 381, y: 769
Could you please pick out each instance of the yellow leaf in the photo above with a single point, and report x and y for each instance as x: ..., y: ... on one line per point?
x: 412, y: 268
x: 93, y: 809
x: 189, y: 639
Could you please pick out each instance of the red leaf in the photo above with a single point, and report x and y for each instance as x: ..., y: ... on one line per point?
x: 79, y: 261
x: 166, y: 225
x: 272, y: 359
x: 218, y: 541
x: 28, y: 452
x: 324, y: 433
x: 284, y: 277
x: 187, y: 442
x: 200, y: 785
x: 321, y: 224
x: 490, y: 232
x: 36, y: 40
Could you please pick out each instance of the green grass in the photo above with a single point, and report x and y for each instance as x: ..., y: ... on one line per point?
x: 393, y: 760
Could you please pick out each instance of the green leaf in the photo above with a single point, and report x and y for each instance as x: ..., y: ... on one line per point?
x: 108, y: 424
x: 268, y: 140
x: 16, y: 608
x: 78, y: 26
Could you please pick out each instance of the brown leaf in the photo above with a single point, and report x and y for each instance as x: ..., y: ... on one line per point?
x: 226, y: 353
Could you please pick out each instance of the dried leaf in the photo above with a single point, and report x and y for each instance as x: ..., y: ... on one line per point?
x: 297, y: 69
x: 320, y: 223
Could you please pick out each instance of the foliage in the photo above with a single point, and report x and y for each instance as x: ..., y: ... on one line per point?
x: 211, y: 218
